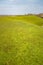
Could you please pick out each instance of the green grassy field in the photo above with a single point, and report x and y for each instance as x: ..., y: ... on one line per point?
x: 21, y: 40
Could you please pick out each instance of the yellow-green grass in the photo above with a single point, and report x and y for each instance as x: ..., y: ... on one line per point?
x: 21, y: 40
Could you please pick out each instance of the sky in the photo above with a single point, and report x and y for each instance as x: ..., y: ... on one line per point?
x: 20, y: 7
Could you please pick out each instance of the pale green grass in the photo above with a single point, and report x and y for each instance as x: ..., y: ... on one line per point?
x: 21, y: 40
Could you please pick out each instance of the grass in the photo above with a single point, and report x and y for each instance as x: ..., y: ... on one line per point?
x: 21, y: 40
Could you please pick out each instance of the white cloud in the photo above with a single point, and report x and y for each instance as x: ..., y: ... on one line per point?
x: 16, y: 9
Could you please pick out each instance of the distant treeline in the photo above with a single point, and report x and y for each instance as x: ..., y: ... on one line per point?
x: 39, y: 15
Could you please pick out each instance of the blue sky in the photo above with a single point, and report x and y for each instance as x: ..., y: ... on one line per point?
x: 15, y: 7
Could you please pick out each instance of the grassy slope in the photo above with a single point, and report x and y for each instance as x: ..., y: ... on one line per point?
x: 21, y: 40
